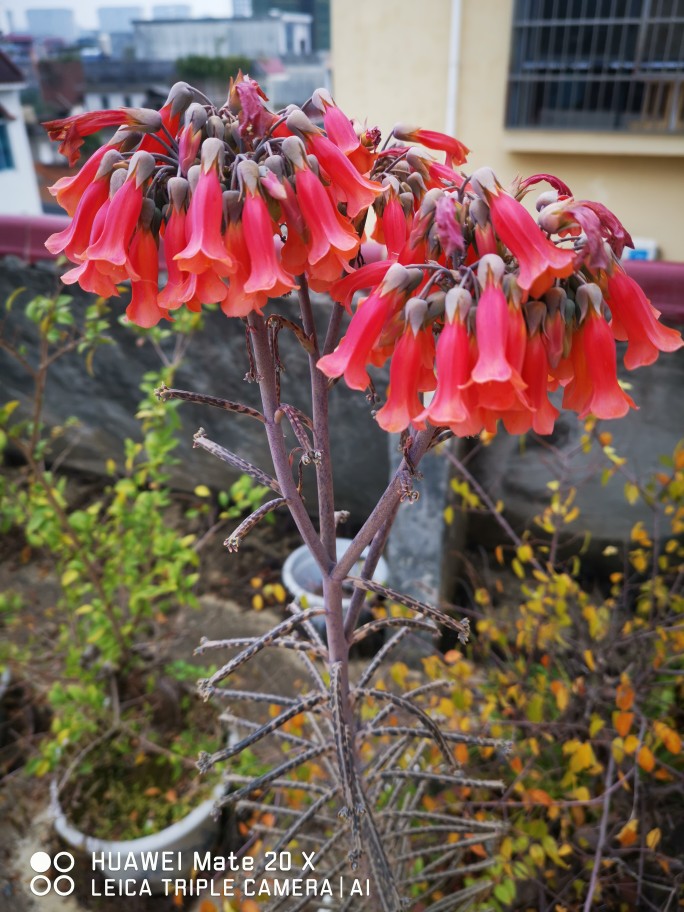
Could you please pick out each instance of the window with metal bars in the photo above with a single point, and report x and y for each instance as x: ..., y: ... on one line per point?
x: 597, y: 65
x: 6, y: 157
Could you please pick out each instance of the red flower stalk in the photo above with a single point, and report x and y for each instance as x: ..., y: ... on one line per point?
x: 635, y: 320
x: 456, y: 152
x: 206, y: 248
x: 70, y: 132
x: 411, y: 371
x: 540, y: 261
x: 352, y: 354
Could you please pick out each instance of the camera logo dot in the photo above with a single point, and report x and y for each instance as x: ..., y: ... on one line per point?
x: 41, y: 883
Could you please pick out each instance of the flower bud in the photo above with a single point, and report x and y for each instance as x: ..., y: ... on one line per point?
x: 143, y: 120
x: 490, y: 265
x: 147, y: 213
x: 299, y: 124
x: 586, y: 296
x: 196, y: 117
x: 546, y: 199
x: 212, y: 154
x: 180, y: 97
x: 110, y: 159
x: 215, y: 127
x: 126, y: 140
x: 293, y: 149
x: 179, y: 191
x: 141, y: 167
x: 534, y: 313
x: 248, y: 175
x: 117, y: 181
x: 275, y: 164
x: 415, y: 311
x: 484, y: 181
x: 479, y: 212
x: 457, y: 303
x: 232, y: 205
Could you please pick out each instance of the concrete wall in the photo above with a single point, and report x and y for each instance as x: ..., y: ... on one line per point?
x: 391, y: 63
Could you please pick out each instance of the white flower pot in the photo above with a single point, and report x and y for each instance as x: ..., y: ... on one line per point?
x: 194, y: 833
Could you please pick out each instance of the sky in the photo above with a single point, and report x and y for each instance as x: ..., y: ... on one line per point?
x: 85, y: 10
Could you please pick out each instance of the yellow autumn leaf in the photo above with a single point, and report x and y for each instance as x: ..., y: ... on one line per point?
x: 631, y: 492
x: 524, y: 553
x: 631, y: 744
x: 670, y: 738
x: 589, y: 659
x: 622, y: 721
x: 202, y: 491
x: 624, y: 696
x: 628, y: 834
x: 645, y: 758
x: 560, y: 692
x: 653, y: 838
x: 257, y: 602
x: 68, y: 577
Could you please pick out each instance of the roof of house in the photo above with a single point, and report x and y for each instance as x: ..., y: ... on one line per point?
x: 9, y: 72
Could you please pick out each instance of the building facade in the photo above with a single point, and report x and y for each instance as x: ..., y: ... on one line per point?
x: 18, y: 186
x: 593, y: 92
x: 278, y: 35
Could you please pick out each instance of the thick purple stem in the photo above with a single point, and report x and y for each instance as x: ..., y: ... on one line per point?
x: 319, y: 400
x: 276, y: 441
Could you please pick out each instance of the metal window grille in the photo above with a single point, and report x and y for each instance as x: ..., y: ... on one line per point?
x: 6, y: 157
x: 597, y: 65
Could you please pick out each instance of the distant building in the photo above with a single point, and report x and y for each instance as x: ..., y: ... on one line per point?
x: 126, y: 84
x: 20, y: 50
x: 318, y: 9
x: 278, y: 35
x: 52, y: 23
x: 171, y: 11
x: 118, y: 18
x: 18, y: 186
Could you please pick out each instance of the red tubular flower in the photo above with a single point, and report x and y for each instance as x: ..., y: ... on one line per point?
x: 238, y: 302
x: 352, y: 354
x: 144, y: 309
x: 340, y: 131
x: 76, y: 237
x: 87, y: 275
x: 414, y: 353
x: 636, y: 320
x: 453, y: 404
x: 69, y: 190
x: 366, y: 276
x: 351, y: 187
x: 456, y: 152
x: 491, y: 322
x: 110, y: 250
x: 540, y: 261
x: 70, y: 132
x: 594, y: 388
x: 266, y: 273
x: 329, y: 230
x: 206, y: 248
x: 174, y: 233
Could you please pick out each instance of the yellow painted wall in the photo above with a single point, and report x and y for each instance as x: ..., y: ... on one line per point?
x: 390, y: 63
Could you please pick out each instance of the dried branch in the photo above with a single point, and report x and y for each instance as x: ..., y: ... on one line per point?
x: 246, y: 526
x: 165, y: 393
x: 200, y: 439
x: 461, y: 627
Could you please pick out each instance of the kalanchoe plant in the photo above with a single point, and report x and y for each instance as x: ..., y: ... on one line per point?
x: 475, y: 301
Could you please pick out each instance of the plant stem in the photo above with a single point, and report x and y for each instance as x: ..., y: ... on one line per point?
x: 319, y: 400
x: 276, y: 443
x: 386, y: 507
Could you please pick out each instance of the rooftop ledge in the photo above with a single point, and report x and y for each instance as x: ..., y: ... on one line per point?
x: 578, y: 142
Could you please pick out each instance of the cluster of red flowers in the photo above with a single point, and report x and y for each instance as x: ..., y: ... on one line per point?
x: 475, y: 302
